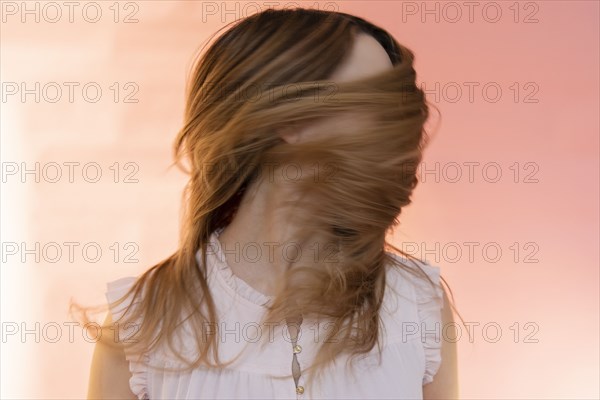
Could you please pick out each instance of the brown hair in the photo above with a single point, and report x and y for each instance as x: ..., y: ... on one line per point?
x: 237, y: 97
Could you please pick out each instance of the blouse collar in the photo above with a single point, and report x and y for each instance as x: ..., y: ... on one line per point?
x: 237, y: 284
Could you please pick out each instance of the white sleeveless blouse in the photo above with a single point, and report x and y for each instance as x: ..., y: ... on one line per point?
x: 411, y: 345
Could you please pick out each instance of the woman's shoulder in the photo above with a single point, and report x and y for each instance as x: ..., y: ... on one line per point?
x: 413, y: 296
x: 124, y: 306
x: 421, y: 318
x: 117, y: 288
x: 119, y: 299
x: 420, y: 275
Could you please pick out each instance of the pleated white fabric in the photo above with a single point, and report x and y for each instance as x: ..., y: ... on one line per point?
x: 411, y: 345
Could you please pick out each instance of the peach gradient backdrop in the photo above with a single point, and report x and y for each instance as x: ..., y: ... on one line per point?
x: 553, y: 214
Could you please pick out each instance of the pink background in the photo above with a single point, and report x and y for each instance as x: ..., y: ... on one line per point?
x: 547, y: 209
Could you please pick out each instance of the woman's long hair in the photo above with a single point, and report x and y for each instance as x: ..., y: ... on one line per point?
x: 269, y: 72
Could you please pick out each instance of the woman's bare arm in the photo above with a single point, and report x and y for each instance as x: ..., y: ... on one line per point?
x: 109, y: 375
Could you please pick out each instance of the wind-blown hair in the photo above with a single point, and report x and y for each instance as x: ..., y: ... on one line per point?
x: 270, y: 72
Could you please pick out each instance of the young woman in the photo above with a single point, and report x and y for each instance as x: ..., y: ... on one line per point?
x: 303, y: 132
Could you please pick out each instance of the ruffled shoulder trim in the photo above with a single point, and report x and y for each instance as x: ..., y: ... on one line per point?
x: 137, y: 364
x: 429, y: 303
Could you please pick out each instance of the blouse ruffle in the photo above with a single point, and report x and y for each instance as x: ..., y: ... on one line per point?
x: 237, y: 285
x: 430, y: 302
x: 137, y: 364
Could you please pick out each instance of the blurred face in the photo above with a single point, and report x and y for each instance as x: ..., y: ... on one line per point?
x: 366, y: 58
